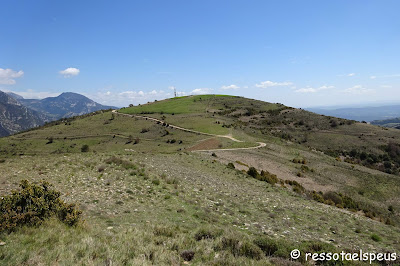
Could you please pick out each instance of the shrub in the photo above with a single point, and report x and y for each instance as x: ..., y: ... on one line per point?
x: 267, y: 245
x: 163, y: 231
x: 231, y: 166
x: 207, y: 233
x: 253, y: 172
x: 85, y: 148
x: 213, y: 154
x: 137, y: 140
x: 333, y: 196
x: 187, y: 255
x: 250, y: 250
x: 32, y: 204
x: 268, y: 177
x: 125, y: 164
x: 376, y: 238
x: 50, y: 140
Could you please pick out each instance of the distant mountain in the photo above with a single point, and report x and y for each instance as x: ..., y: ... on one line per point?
x: 361, y: 114
x: 392, y: 123
x: 14, y: 95
x: 66, y: 104
x: 15, y: 117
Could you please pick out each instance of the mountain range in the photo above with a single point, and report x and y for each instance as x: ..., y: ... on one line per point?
x: 18, y: 114
x: 367, y: 114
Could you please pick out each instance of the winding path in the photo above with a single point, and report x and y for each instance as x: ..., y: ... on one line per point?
x: 261, y: 144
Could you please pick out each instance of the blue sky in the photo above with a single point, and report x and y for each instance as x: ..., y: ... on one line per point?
x: 300, y: 53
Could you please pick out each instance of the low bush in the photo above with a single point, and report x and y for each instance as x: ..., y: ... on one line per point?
x: 376, y: 238
x: 207, y: 233
x: 117, y: 161
x: 85, y: 148
x: 33, y: 204
x: 231, y: 166
x: 240, y: 247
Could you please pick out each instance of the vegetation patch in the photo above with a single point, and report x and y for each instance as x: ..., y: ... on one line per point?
x: 33, y: 204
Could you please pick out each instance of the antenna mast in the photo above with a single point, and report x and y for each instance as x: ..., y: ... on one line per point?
x: 175, y: 91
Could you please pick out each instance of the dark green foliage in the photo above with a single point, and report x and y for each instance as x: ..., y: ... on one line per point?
x: 85, y: 148
x: 268, y: 177
x: 333, y: 196
x: 252, y: 172
x: 268, y: 246
x: 240, y: 248
x: 318, y: 197
x: 32, y: 204
x: 263, y: 176
x: 187, y: 255
x: 250, y: 250
x: 207, y: 233
x: 376, y: 238
x: 231, y: 166
x: 297, y: 187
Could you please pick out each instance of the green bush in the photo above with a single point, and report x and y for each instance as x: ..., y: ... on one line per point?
x: 268, y: 177
x: 253, y: 172
x: 376, y: 238
x: 231, y: 166
x: 85, y: 148
x: 207, y: 233
x: 32, y: 204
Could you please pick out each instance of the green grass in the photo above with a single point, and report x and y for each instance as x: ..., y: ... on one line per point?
x: 177, y: 105
x: 122, y: 213
x: 144, y: 203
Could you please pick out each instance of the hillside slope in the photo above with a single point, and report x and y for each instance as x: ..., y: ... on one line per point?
x: 15, y: 117
x: 149, y: 196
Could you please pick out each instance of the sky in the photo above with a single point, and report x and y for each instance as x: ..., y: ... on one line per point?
x: 299, y: 53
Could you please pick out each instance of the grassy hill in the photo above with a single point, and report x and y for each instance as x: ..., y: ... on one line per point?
x: 148, y: 197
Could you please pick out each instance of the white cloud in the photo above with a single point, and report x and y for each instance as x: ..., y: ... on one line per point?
x: 385, y: 76
x: 268, y: 83
x: 358, y: 89
x: 201, y: 91
x: 386, y: 86
x: 306, y: 90
x: 70, y: 72
x: 230, y: 87
x: 31, y: 94
x: 351, y: 74
x: 312, y: 90
x: 8, y: 76
x: 125, y: 98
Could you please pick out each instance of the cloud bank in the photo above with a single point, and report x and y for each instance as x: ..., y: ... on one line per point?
x: 8, y: 76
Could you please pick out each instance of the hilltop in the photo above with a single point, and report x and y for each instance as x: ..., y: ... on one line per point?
x: 151, y: 193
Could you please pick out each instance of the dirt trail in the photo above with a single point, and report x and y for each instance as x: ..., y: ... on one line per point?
x: 261, y: 144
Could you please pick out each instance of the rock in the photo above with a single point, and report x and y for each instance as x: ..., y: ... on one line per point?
x: 2, y: 243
